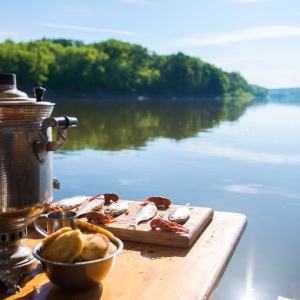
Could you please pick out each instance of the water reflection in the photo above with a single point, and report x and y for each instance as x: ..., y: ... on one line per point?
x: 245, y: 160
x: 249, y: 155
x: 118, y: 124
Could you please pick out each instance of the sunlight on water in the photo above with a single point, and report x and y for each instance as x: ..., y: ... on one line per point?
x: 249, y: 280
x: 248, y: 165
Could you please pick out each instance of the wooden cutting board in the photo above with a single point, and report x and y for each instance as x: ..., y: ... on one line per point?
x: 200, y: 217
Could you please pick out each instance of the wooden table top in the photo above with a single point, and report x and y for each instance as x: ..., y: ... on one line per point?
x: 146, y: 271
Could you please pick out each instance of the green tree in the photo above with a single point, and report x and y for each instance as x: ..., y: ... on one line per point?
x: 117, y: 68
x: 214, y: 81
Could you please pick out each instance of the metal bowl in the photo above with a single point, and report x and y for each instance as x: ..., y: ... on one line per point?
x: 78, y: 275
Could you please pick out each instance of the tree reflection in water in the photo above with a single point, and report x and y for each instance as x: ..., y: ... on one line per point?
x: 123, y: 124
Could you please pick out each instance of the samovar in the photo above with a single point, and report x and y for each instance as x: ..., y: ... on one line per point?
x: 26, y: 172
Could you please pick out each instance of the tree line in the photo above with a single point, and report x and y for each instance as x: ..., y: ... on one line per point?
x: 113, y: 67
x: 117, y: 124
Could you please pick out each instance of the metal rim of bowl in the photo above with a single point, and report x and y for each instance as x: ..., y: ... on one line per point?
x: 38, y: 246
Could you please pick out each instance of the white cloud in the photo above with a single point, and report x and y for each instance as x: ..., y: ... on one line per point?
x: 255, y: 189
x: 91, y: 29
x: 8, y: 32
x: 244, y: 188
x: 129, y: 182
x: 248, y: 34
x: 244, y: 155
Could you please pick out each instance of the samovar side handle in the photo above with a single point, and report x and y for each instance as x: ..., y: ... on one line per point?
x: 45, y: 143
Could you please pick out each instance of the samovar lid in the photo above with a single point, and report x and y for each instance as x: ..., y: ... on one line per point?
x: 10, y: 95
x: 8, y: 88
x: 16, y: 106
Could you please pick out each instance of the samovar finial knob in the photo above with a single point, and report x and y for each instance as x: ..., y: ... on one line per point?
x: 39, y: 93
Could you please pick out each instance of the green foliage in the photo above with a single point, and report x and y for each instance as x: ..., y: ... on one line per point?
x: 116, y: 68
x: 123, y: 124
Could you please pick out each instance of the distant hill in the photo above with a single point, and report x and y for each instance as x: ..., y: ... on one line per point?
x: 288, y: 95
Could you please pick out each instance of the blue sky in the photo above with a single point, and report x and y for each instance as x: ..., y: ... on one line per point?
x: 258, y: 38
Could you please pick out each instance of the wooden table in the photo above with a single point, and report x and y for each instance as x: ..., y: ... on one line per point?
x: 146, y: 271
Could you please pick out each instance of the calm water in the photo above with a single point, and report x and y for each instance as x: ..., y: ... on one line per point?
x: 236, y: 157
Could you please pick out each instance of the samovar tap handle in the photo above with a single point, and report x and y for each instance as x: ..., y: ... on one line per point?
x: 45, y: 143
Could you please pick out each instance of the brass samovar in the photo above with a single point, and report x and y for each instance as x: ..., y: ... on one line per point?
x: 26, y: 172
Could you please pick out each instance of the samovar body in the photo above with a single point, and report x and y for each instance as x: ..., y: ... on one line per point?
x: 26, y: 171
x: 26, y: 177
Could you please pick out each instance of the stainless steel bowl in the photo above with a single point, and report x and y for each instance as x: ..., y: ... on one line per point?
x: 77, y: 275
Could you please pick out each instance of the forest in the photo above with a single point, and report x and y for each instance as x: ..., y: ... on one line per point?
x: 115, y: 68
x: 117, y: 124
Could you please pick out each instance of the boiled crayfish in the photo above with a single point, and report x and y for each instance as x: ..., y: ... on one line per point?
x: 52, y: 207
x: 167, y: 225
x: 99, y: 217
x: 158, y: 201
x: 108, y: 197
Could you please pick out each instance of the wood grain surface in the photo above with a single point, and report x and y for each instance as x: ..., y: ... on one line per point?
x: 146, y: 271
x: 200, y: 217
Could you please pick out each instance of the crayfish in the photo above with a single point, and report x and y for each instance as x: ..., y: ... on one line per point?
x: 158, y: 201
x: 108, y: 197
x: 168, y: 225
x: 99, y: 217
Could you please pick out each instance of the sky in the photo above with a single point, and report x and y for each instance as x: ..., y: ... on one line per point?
x: 260, y: 39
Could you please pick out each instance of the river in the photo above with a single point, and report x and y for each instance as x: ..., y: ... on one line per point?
x: 235, y: 156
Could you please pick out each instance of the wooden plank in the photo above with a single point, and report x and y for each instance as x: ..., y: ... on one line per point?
x: 200, y: 217
x: 148, y: 272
